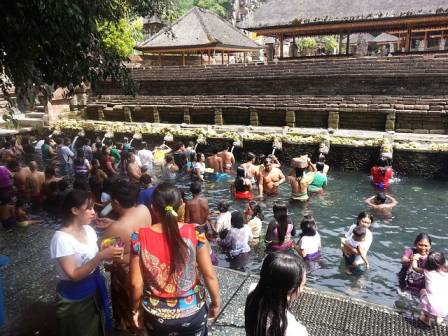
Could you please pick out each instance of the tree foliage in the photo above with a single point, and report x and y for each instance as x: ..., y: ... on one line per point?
x: 330, y: 44
x: 121, y: 36
x: 221, y: 7
x: 61, y: 42
x: 307, y: 43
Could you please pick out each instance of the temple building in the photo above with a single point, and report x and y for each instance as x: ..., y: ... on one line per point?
x: 419, y: 26
x: 199, y: 36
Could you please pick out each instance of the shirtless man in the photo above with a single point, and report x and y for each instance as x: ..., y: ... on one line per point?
x: 382, y: 205
x: 228, y: 160
x: 196, y: 210
x: 20, y: 176
x: 252, y: 172
x: 132, y: 217
x: 215, y: 162
x: 270, y: 178
x: 133, y: 170
x: 34, y: 184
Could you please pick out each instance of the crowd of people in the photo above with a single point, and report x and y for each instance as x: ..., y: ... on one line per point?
x: 157, y: 243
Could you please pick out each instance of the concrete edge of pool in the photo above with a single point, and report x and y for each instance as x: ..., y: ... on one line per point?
x: 29, y: 290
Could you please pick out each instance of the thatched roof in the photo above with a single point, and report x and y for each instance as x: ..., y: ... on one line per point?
x: 385, y: 38
x: 278, y: 13
x: 199, y: 29
x: 354, y: 37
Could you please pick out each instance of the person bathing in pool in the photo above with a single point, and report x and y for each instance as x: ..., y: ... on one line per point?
x: 382, y: 205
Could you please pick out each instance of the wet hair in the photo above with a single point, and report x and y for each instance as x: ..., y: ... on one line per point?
x: 239, y: 180
x: 169, y: 158
x: 250, y: 156
x: 308, y: 226
x: 363, y: 215
x: 67, y: 141
x: 320, y: 166
x: 321, y: 158
x: 87, y: 142
x: 435, y: 261
x: 124, y: 193
x: 196, y: 188
x: 381, y: 198
x: 166, y: 194
x: 267, y: 161
x: 215, y: 151
x: 256, y: 210
x: 359, y: 232
x: 382, y: 163
x: 79, y: 161
x: 299, y: 172
x: 281, y: 216
x: 422, y: 236
x: 237, y: 220
x: 193, y: 157
x: 145, y: 179
x: 58, y: 141
x: 199, y: 155
x: 74, y: 199
x: 266, y: 307
x: 223, y: 206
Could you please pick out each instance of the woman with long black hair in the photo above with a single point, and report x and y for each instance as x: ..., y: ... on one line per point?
x: 280, y: 230
x: 282, y: 278
x: 83, y: 304
x: 165, y: 264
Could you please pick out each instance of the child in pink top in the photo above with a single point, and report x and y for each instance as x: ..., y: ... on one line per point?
x: 434, y: 297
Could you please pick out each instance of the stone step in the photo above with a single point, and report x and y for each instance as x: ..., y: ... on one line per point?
x: 37, y: 115
x: 30, y: 122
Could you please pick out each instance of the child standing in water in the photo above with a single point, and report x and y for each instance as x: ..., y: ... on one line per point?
x: 434, y: 298
x: 237, y: 242
x: 255, y: 216
x: 352, y: 249
x: 309, y: 243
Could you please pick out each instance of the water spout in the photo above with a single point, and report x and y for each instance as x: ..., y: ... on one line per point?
x: 237, y: 143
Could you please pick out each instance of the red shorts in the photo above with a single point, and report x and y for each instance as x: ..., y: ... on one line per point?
x: 243, y: 195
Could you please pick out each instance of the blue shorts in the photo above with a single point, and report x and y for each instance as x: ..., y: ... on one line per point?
x: 218, y: 177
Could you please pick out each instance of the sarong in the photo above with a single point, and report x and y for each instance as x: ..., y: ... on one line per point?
x: 83, y: 306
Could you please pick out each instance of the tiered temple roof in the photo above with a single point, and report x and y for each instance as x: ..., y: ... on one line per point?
x: 199, y: 30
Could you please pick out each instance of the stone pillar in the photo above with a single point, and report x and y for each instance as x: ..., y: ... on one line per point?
x: 100, y: 113
x: 254, y: 118
x: 290, y: 119
x: 127, y: 113
x: 156, y: 115
x: 187, y: 117
x: 390, y: 122
x: 333, y: 120
x: 218, y: 117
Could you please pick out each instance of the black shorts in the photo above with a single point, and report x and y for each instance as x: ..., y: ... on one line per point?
x: 195, y: 325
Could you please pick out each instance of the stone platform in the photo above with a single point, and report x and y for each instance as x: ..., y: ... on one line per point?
x: 29, y: 286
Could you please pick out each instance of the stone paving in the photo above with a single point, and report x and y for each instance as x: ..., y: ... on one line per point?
x: 30, y: 280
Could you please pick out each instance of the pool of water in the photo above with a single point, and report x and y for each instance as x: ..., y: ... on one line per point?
x: 422, y: 208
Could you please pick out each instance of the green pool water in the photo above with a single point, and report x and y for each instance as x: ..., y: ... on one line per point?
x: 421, y: 208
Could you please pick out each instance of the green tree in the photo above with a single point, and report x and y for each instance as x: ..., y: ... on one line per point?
x: 62, y: 42
x: 121, y: 36
x: 221, y: 7
x: 307, y: 43
x: 330, y: 44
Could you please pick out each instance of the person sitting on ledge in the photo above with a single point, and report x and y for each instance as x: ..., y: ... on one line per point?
x: 382, y: 205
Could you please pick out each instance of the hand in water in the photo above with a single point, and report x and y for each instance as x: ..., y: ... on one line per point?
x: 103, y: 223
